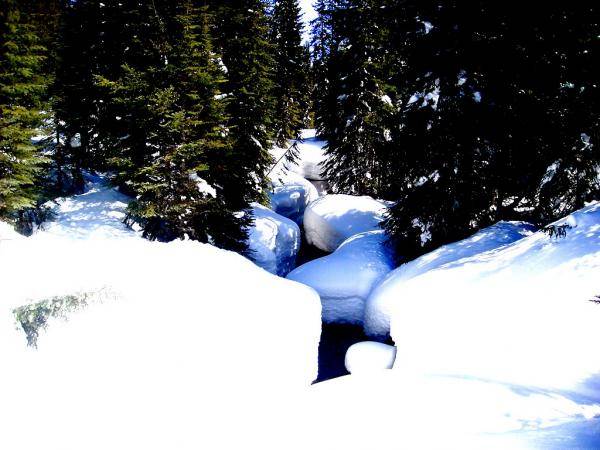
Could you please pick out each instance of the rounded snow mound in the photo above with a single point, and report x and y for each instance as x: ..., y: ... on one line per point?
x: 345, y: 278
x: 290, y: 195
x: 330, y: 220
x: 523, y: 313
x: 190, y: 343
x: 369, y: 356
x: 379, y: 303
x: 273, y: 240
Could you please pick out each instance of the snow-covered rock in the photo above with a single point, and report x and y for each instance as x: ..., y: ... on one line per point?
x: 165, y: 345
x: 379, y: 303
x: 311, y: 156
x: 369, y: 356
x: 290, y: 194
x: 519, y: 314
x: 330, y: 220
x: 345, y: 278
x: 274, y: 241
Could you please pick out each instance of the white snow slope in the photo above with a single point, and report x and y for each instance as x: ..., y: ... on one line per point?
x: 330, y: 220
x: 345, y: 278
x: 179, y: 342
x: 311, y: 156
x: 377, y: 310
x: 519, y: 314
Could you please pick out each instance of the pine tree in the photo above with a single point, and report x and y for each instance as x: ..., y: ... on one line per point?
x: 291, y: 70
x: 22, y: 90
x: 75, y: 94
x: 241, y: 38
x: 358, y: 140
x: 176, y: 197
x: 324, y: 51
x: 490, y: 128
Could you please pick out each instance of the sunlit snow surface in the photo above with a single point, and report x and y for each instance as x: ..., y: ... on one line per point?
x: 186, y: 346
x: 179, y: 343
x: 521, y: 314
x: 379, y: 303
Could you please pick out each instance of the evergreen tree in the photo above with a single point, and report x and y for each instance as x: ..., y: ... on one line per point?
x: 490, y: 128
x: 75, y: 94
x: 22, y: 90
x: 358, y: 140
x: 324, y: 51
x: 291, y: 71
x: 176, y: 197
x: 241, y: 38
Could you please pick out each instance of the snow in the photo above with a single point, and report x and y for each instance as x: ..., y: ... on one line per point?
x: 179, y: 345
x: 345, y: 278
x: 290, y: 194
x: 369, y: 356
x: 330, y: 220
x: 379, y: 303
x: 395, y: 409
x: 273, y: 240
x: 311, y: 156
x: 520, y: 314
x: 98, y: 213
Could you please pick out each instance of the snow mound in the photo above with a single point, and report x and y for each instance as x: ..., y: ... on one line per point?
x: 290, y: 194
x: 369, y: 356
x: 311, y: 156
x: 190, y: 343
x: 345, y: 278
x: 377, y: 310
x: 330, y: 220
x: 520, y: 314
x: 273, y: 240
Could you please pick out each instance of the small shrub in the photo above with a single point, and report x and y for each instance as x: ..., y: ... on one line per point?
x: 557, y: 231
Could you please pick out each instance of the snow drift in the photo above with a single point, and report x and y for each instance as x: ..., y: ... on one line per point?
x: 519, y: 314
x: 332, y: 219
x: 345, y: 278
x: 144, y: 345
x: 377, y: 310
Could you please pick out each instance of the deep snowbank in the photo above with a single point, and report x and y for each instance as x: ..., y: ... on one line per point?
x: 345, y: 278
x: 379, y: 303
x: 332, y: 219
x: 145, y: 345
x: 519, y: 314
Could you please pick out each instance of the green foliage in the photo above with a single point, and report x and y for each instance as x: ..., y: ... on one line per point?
x: 33, y: 318
x: 291, y: 71
x: 22, y: 89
